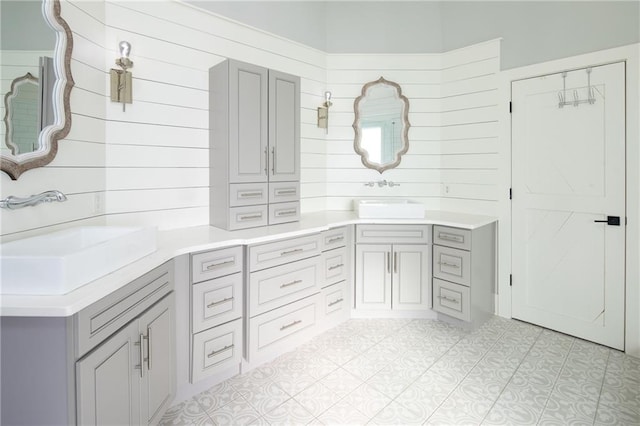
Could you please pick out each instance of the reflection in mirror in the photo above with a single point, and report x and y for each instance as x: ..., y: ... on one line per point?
x: 35, y: 41
x: 381, y: 125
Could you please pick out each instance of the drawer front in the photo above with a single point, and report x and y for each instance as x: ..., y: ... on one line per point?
x: 393, y: 234
x: 247, y: 194
x: 452, y: 237
x: 452, y: 265
x: 284, y: 212
x: 334, y: 238
x: 274, y: 287
x: 275, y: 331
x: 335, y: 266
x: 279, y: 252
x: 100, y: 320
x: 334, y: 300
x: 451, y: 299
x: 216, y: 301
x: 248, y: 217
x: 214, y: 264
x: 282, y: 192
x: 216, y: 349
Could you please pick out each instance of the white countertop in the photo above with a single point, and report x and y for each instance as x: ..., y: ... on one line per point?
x: 176, y: 242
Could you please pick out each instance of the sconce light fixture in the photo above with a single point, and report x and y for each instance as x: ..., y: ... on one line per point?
x: 121, y: 79
x: 323, y: 112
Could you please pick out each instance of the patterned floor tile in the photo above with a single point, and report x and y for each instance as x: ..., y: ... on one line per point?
x: 266, y: 398
x: 343, y: 413
x: 186, y: 413
x: 341, y: 382
x: 219, y: 395
x: 237, y: 412
x: 367, y: 399
x: 316, y: 399
x: 397, y: 414
x: 619, y: 417
x: 289, y: 413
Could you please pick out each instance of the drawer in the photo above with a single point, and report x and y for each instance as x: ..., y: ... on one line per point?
x: 216, y: 301
x: 282, y: 192
x: 247, y: 217
x: 451, y: 299
x: 335, y: 301
x: 247, y: 194
x: 214, y: 264
x: 98, y: 321
x: 280, y: 330
x: 284, y: 212
x: 334, y: 238
x: 216, y: 349
x: 452, y: 237
x: 274, y: 287
x: 335, y: 266
x: 452, y: 265
x: 279, y: 252
x: 393, y: 234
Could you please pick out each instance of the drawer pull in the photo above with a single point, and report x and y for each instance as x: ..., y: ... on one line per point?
x: 296, y: 322
x: 451, y: 237
x: 450, y: 265
x: 214, y: 353
x: 449, y: 299
x: 335, y: 302
x: 285, y: 191
x: 219, y: 302
x: 217, y: 265
x: 286, y: 213
x: 250, y: 217
x: 249, y: 194
x: 291, y: 283
x: 335, y: 239
x: 339, y: 265
x: 288, y: 252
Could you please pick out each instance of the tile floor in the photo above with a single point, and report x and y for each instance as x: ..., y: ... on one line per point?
x: 405, y: 372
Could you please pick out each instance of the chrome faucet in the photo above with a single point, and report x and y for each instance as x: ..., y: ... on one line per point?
x: 13, y: 203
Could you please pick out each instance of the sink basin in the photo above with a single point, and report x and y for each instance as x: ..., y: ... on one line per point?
x: 60, y: 262
x: 392, y: 208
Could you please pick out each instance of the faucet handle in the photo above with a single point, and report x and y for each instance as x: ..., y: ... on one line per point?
x: 392, y: 184
x: 370, y: 184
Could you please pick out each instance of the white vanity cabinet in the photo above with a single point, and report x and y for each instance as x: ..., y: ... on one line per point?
x: 216, y: 311
x: 282, y: 300
x: 464, y: 271
x: 335, y: 299
x: 255, y: 146
x: 392, y: 267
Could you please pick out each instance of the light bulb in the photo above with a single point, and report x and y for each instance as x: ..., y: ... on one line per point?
x: 125, y: 49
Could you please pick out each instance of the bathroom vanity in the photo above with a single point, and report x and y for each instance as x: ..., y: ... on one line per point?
x: 210, y: 303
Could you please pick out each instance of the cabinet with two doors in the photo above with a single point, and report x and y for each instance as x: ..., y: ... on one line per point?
x: 254, y: 146
x: 393, y: 267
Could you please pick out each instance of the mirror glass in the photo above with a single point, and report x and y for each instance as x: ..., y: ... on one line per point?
x: 381, y: 125
x: 35, y: 55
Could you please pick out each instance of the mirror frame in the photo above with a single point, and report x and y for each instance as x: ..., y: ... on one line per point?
x: 49, y: 136
x: 405, y: 123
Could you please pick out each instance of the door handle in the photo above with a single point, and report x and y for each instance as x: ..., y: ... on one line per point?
x: 611, y: 220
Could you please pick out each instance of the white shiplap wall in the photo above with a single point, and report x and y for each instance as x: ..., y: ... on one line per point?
x: 149, y: 164
x: 452, y: 159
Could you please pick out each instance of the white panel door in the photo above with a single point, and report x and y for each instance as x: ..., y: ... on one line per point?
x: 411, y: 276
x: 568, y: 175
x: 373, y: 276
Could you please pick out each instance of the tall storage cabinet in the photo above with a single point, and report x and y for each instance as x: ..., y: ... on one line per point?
x: 254, y: 146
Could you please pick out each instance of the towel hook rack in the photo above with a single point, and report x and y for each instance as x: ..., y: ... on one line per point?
x: 562, y: 96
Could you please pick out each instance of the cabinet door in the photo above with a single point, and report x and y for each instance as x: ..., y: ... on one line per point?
x: 284, y: 127
x: 248, y: 135
x: 108, y: 381
x: 411, y: 275
x: 373, y: 276
x: 158, y: 380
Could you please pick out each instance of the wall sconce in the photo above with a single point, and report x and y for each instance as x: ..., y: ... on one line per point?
x: 323, y: 112
x: 121, y: 79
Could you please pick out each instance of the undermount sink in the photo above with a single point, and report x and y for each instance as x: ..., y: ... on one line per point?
x: 392, y: 208
x: 62, y: 261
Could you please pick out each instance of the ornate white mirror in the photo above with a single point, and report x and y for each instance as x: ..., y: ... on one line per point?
x: 381, y: 125
x: 35, y: 57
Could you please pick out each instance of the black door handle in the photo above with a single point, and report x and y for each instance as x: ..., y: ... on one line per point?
x: 611, y: 220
